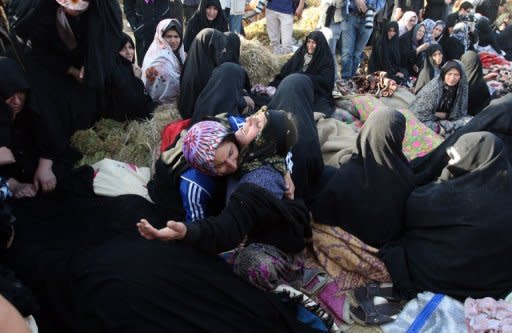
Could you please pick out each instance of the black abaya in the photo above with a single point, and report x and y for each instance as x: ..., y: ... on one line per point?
x: 366, y: 195
x: 295, y: 95
x: 427, y: 73
x: 385, y: 55
x: 223, y: 93
x: 206, y: 53
x: 479, y: 96
x: 456, y: 229
x: 320, y: 70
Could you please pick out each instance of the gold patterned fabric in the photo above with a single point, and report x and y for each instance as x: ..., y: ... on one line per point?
x: 349, y: 261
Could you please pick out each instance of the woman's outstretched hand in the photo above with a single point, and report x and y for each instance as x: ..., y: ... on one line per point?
x: 173, y: 231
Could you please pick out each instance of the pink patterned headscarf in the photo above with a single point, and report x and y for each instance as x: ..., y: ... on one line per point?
x: 200, y: 144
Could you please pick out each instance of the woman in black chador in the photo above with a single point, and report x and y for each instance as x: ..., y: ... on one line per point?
x: 208, y: 15
x: 314, y: 59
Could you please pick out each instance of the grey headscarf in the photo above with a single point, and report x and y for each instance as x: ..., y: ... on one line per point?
x: 427, y: 100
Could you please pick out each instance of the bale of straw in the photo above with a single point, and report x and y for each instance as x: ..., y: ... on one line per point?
x: 261, y: 64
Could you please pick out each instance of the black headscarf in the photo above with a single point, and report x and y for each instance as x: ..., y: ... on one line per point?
x: 199, y: 21
x: 486, y: 35
x: 504, y: 40
x: 408, y: 45
x: 295, y: 95
x: 206, y: 53
x: 386, y: 53
x: 427, y: 73
x: 232, y: 47
x: 495, y: 118
x: 125, y: 38
x: 450, y: 230
x: 366, y: 196
x: 479, y: 96
x: 126, y: 98
x: 320, y: 71
x: 222, y: 93
x: 12, y: 80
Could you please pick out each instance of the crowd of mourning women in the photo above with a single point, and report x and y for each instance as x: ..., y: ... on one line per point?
x: 214, y: 238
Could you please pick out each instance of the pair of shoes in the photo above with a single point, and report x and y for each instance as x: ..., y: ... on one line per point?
x: 377, y: 304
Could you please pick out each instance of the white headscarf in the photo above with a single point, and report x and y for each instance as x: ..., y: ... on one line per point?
x: 161, y: 68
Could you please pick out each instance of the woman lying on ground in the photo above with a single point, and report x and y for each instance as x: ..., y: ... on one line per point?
x: 442, y: 104
x: 127, y: 97
x: 366, y: 195
x: 266, y: 139
x: 162, y: 66
x: 313, y: 59
x: 451, y: 244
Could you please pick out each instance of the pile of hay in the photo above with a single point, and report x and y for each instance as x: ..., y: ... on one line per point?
x: 261, y: 64
x: 131, y: 142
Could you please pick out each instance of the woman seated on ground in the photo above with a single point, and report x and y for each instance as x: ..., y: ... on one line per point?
x: 412, y: 50
x: 505, y: 42
x: 433, y: 30
x: 224, y: 93
x: 313, y: 59
x: 208, y: 50
x: 451, y: 244
x: 385, y: 55
x: 479, y: 95
x: 458, y: 42
x: 442, y: 104
x: 266, y: 139
x: 162, y: 66
x: 27, y: 161
x: 407, y: 22
x: 208, y: 15
x: 127, y: 97
x: 366, y: 195
x: 431, y: 66
x: 487, y: 41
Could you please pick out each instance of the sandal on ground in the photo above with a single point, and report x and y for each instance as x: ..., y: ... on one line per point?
x: 371, y: 314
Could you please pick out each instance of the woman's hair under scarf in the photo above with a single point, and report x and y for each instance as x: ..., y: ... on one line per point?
x: 471, y: 153
x: 272, y: 145
x: 427, y: 100
x: 428, y: 71
x: 404, y: 21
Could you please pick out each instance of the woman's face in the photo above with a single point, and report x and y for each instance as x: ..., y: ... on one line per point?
x: 310, y: 46
x: 252, y: 128
x: 16, y: 102
x: 436, y: 32
x: 420, y: 33
x: 437, y: 56
x: 173, y: 39
x: 503, y: 25
x: 411, y: 22
x: 452, y: 77
x: 226, y: 158
x: 211, y: 13
x: 127, y: 52
x: 391, y: 33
